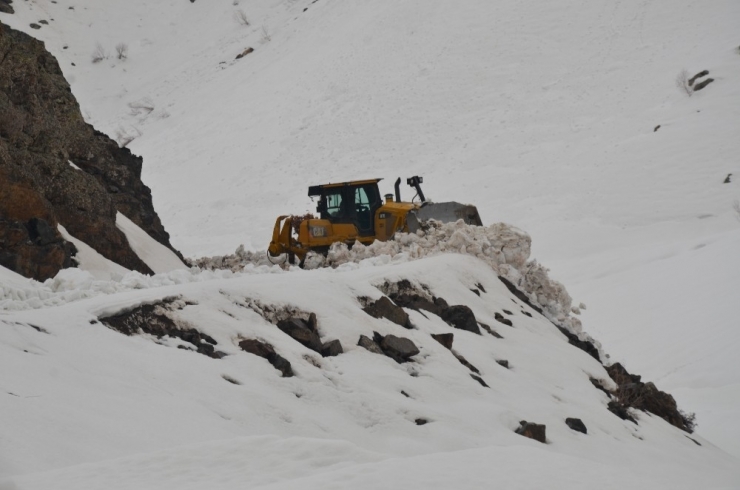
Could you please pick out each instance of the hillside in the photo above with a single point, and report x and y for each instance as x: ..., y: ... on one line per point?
x: 145, y: 413
x: 564, y: 120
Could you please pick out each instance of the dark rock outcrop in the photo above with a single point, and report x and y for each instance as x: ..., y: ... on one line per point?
x: 332, y: 348
x: 385, y: 308
x: 465, y: 362
x: 5, y: 7
x: 155, y: 320
x: 462, y: 317
x: 531, y: 430
x: 500, y: 318
x: 633, y: 393
x: 519, y: 294
x: 577, y: 425
x: 41, y: 132
x: 399, y: 349
x: 584, y: 345
x: 265, y: 350
x: 300, y: 331
x: 444, y: 338
x: 369, y: 344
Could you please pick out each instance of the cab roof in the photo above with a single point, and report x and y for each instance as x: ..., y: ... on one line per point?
x: 317, y: 190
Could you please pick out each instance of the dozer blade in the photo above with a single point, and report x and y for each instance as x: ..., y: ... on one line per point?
x: 446, y: 212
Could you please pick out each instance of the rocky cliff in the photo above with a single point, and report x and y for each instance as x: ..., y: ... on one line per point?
x: 57, y: 169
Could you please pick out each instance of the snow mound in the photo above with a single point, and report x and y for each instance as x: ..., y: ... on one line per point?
x: 74, y: 284
x: 505, y: 248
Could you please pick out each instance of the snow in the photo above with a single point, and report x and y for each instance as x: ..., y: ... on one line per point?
x: 154, y: 416
x: 159, y: 258
x: 90, y: 261
x: 542, y: 116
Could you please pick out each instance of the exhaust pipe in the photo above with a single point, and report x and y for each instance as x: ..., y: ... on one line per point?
x: 416, y: 182
x: 398, y: 190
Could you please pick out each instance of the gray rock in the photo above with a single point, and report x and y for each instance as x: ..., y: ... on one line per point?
x: 41, y: 131
x: 444, y: 338
x: 399, y: 349
x: 265, y: 350
x: 370, y: 345
x: 299, y: 331
x: 332, y: 348
x: 385, y: 308
x: 532, y: 430
x: 577, y: 425
x: 462, y: 317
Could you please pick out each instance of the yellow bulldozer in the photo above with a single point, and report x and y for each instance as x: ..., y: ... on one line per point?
x: 351, y: 212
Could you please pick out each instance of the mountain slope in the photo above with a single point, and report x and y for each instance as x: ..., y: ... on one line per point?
x: 543, y: 116
x: 119, y: 397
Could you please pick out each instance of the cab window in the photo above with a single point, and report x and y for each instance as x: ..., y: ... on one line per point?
x: 334, y: 204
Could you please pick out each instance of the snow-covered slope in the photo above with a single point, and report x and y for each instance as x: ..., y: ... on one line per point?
x: 543, y: 116
x: 146, y: 414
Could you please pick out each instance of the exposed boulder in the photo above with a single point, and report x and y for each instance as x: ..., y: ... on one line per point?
x: 265, y: 350
x: 385, y: 308
x: 300, y: 331
x: 400, y: 349
x: 577, y: 425
x: 332, y: 348
x: 156, y: 320
x: 5, y: 7
x: 370, y: 345
x: 503, y: 362
x: 444, y: 338
x: 531, y: 430
x: 405, y: 294
x: 462, y: 317
x: 479, y: 380
x: 41, y: 132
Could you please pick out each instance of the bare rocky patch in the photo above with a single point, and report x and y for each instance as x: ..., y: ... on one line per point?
x: 157, y: 320
x: 302, y: 326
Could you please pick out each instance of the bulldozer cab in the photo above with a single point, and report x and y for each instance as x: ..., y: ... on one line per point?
x: 349, y: 203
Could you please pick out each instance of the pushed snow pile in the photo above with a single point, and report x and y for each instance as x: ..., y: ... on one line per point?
x: 505, y: 248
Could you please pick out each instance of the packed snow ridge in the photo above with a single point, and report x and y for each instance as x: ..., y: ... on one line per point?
x: 505, y: 248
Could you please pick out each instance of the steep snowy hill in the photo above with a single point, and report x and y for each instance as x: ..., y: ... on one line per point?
x: 543, y: 116
x: 124, y: 412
